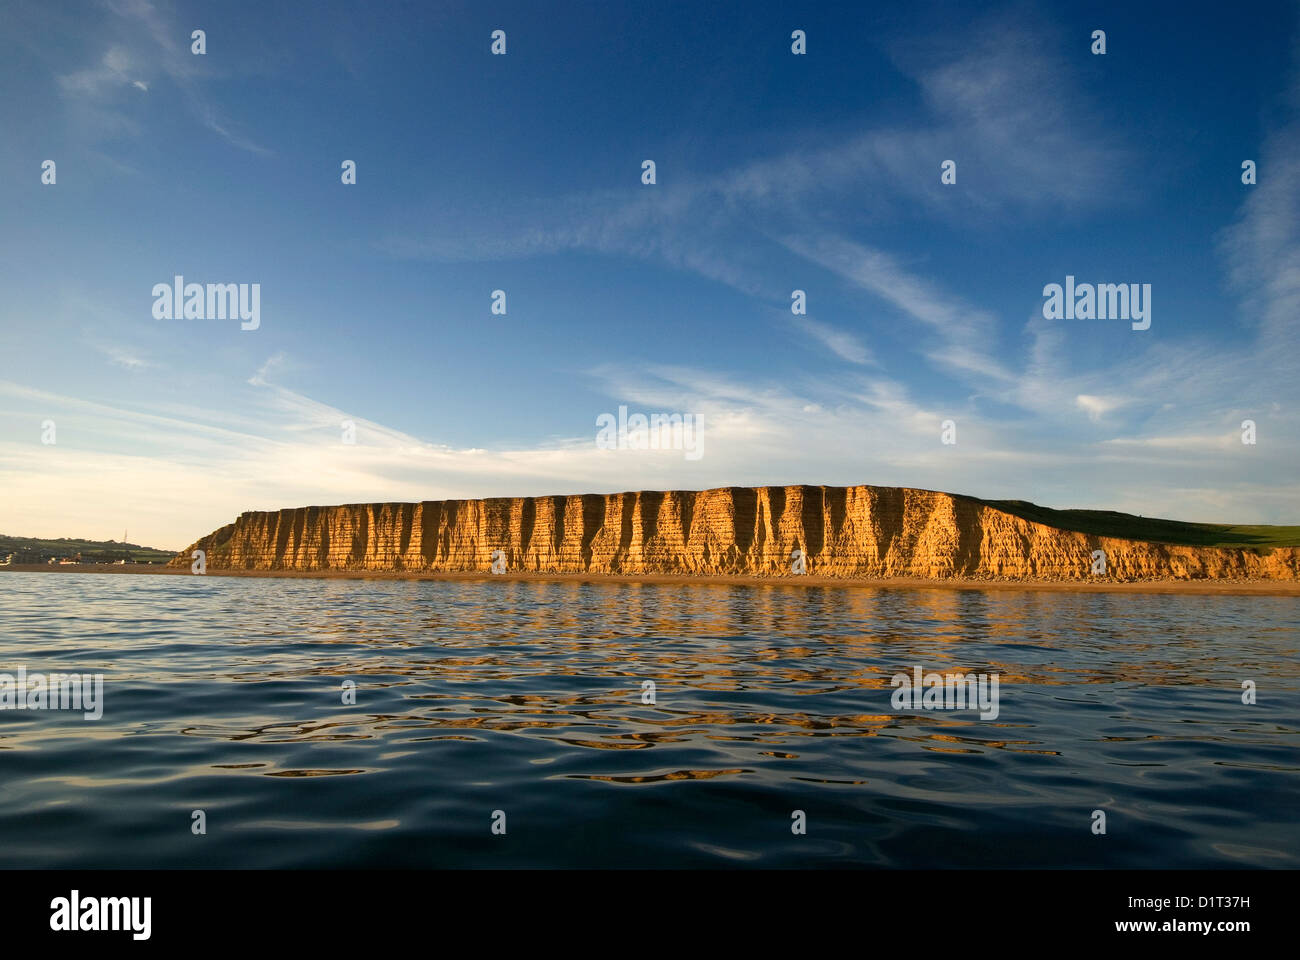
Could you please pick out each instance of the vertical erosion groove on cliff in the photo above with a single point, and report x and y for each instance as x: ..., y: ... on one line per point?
x: 858, y: 531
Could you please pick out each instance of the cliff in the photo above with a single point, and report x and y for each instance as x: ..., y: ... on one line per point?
x: 857, y: 531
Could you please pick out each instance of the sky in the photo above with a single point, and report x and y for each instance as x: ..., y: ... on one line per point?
x: 523, y: 172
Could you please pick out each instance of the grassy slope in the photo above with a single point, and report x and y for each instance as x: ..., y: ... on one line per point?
x: 1108, y: 523
x: 107, y: 550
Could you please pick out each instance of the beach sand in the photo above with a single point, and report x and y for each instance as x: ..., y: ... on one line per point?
x: 1273, y: 588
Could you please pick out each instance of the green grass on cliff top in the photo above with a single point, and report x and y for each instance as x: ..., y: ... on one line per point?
x: 1125, y: 526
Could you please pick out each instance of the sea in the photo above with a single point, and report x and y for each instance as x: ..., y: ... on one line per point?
x: 328, y: 723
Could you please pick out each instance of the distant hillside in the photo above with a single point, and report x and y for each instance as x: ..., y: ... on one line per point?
x: 1108, y: 523
x: 37, y: 550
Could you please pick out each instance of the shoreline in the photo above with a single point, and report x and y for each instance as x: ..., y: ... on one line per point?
x: 1280, y: 588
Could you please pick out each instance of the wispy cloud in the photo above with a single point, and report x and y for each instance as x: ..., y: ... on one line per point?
x: 843, y: 344
x: 975, y: 89
x: 124, y: 357
x: 151, y: 46
x: 117, y: 70
x: 1262, y: 247
x: 966, y: 333
x: 1098, y: 407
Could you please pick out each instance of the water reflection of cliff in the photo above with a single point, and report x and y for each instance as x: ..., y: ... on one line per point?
x: 764, y: 668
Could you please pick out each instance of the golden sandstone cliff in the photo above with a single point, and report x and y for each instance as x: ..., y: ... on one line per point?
x: 845, y: 532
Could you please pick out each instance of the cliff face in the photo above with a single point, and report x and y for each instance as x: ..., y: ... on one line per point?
x: 842, y: 531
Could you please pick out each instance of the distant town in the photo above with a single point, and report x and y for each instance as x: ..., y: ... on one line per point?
x: 67, y: 551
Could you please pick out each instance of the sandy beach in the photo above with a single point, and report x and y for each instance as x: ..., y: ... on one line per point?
x: 1268, y: 588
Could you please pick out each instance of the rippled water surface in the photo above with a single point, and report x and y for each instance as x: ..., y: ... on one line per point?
x: 225, y: 695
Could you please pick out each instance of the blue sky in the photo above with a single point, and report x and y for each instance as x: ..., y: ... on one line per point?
x: 522, y: 172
